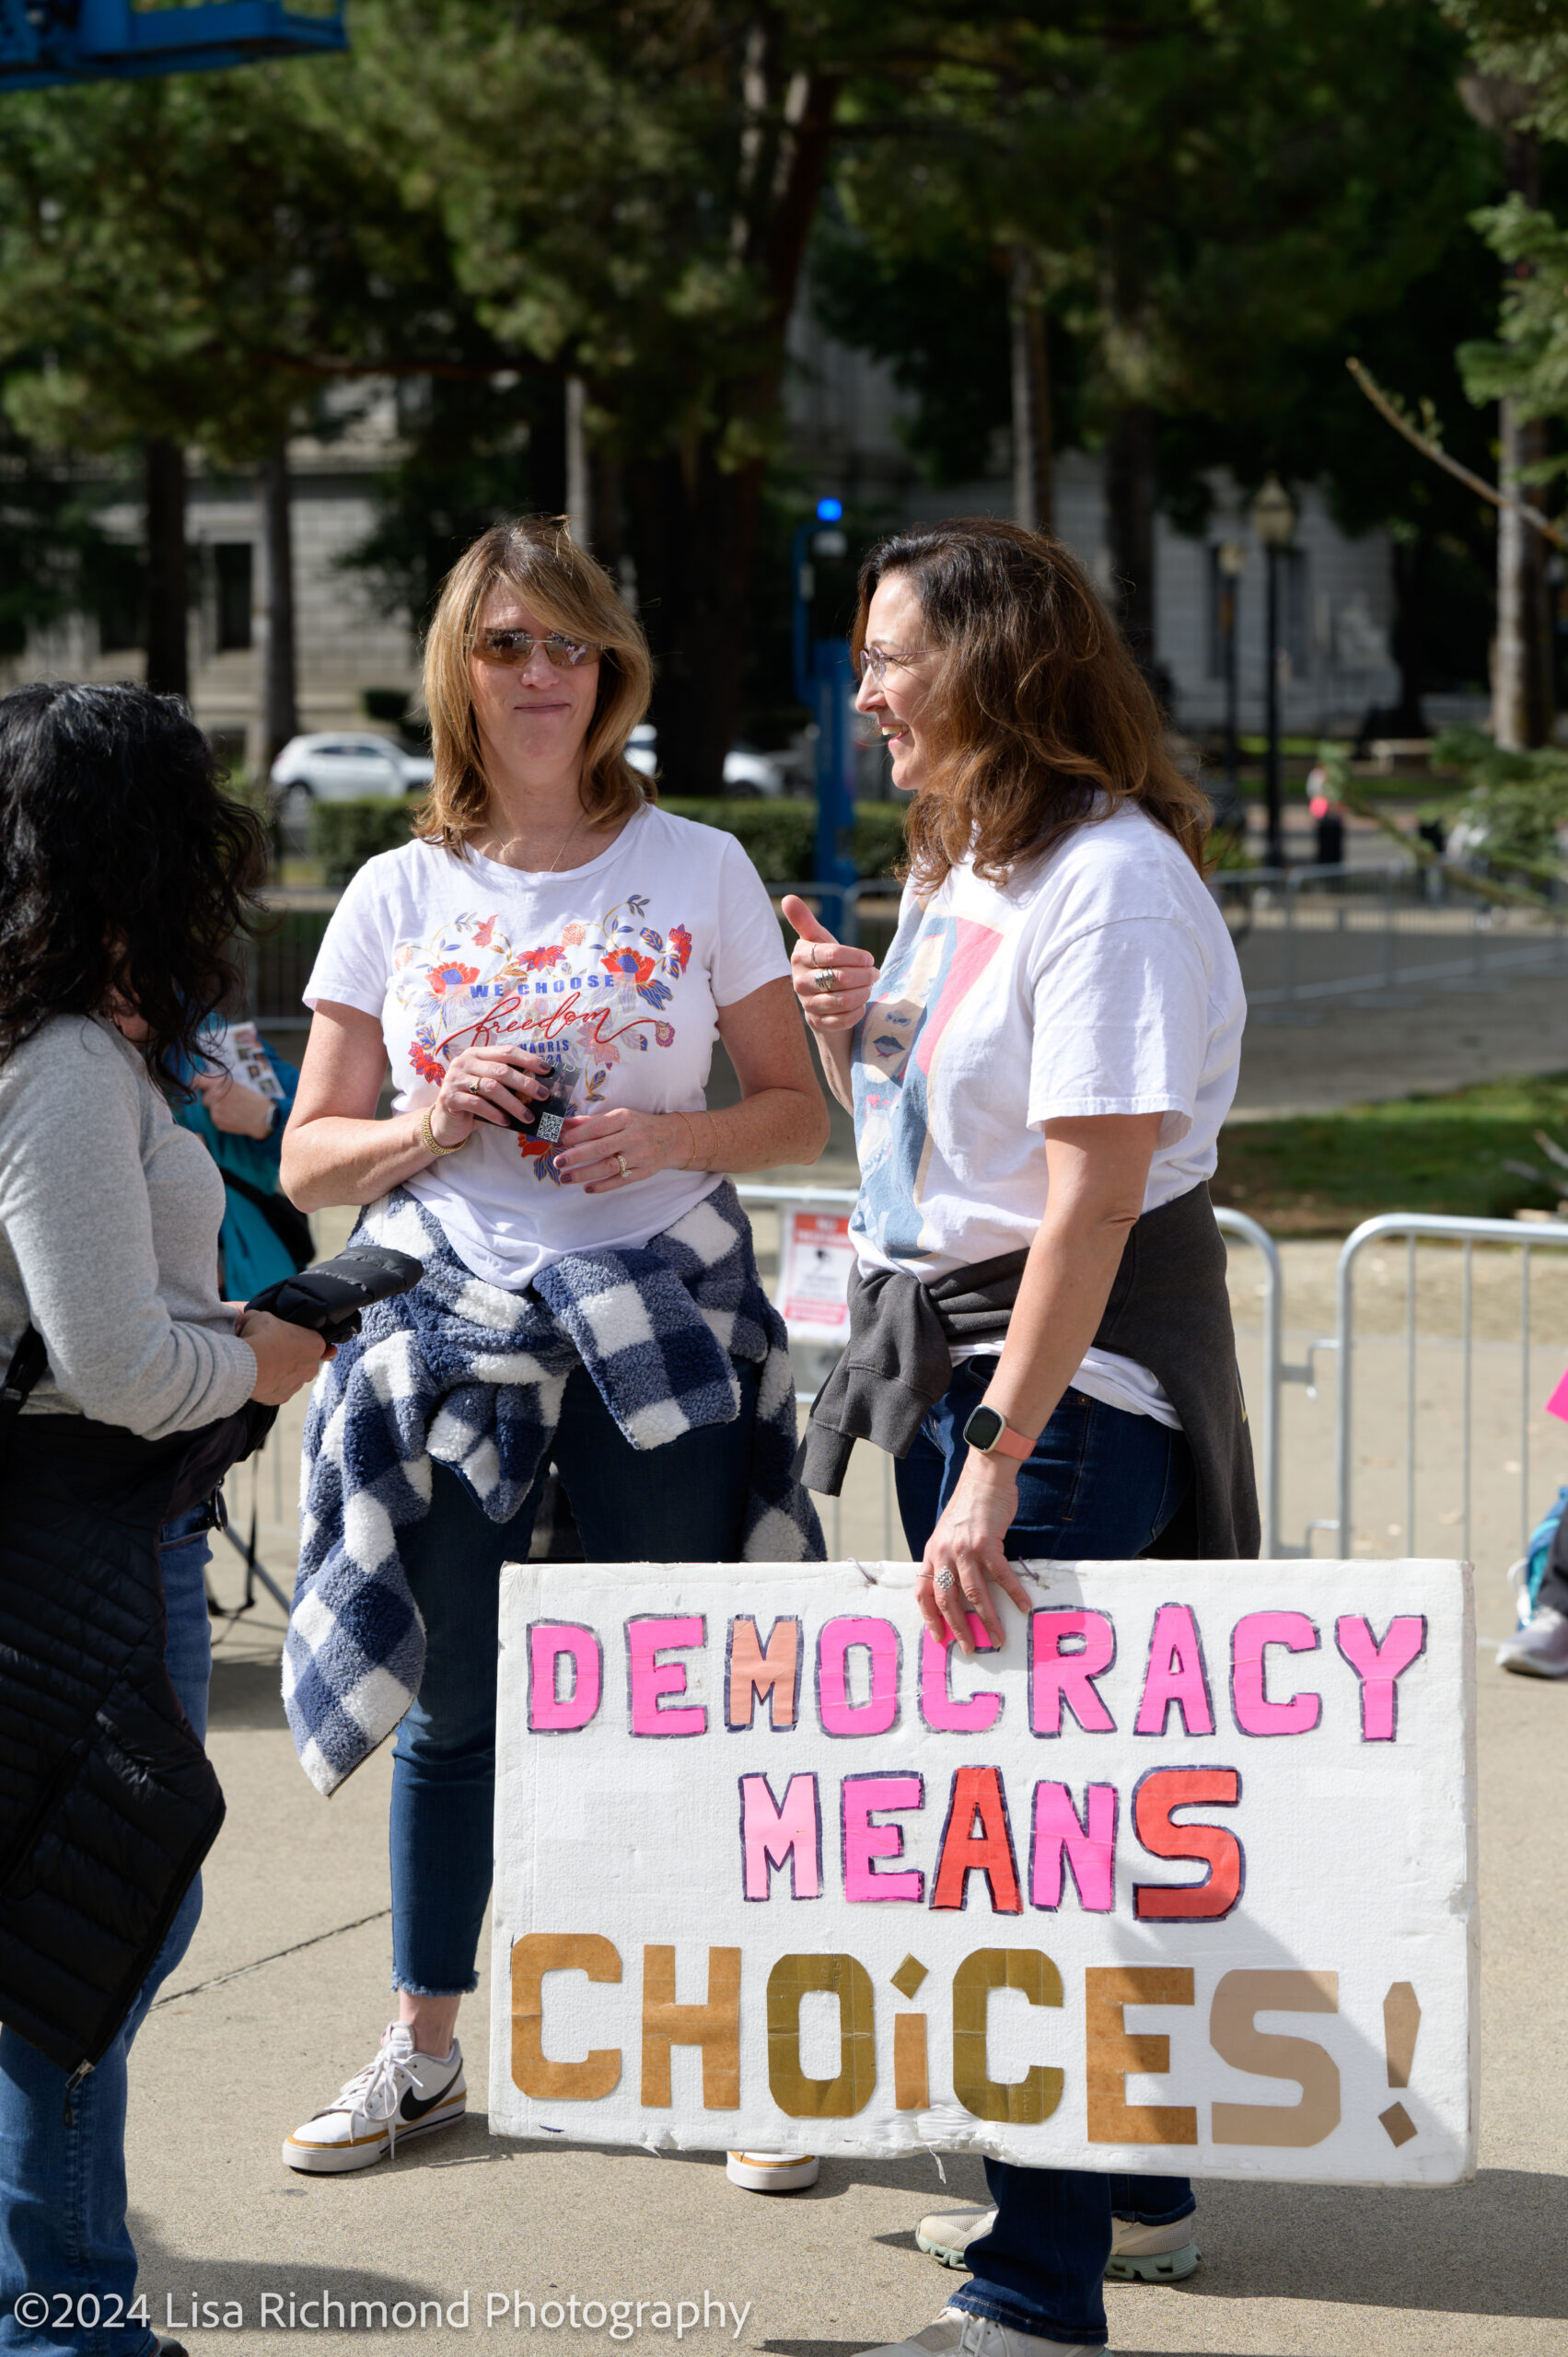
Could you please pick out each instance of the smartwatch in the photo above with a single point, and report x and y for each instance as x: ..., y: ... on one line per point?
x: 993, y: 1436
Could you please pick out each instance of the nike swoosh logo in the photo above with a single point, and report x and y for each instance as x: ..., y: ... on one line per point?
x: 414, y: 2108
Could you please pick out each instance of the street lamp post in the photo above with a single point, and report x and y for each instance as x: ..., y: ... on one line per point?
x: 1273, y: 521
x: 1231, y: 558
x: 824, y: 681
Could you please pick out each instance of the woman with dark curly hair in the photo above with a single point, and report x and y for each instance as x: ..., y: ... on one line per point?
x: 125, y: 876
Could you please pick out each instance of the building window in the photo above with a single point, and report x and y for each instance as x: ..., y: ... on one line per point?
x: 232, y: 562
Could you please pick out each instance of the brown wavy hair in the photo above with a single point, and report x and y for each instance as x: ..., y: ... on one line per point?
x: 1036, y: 717
x: 537, y: 558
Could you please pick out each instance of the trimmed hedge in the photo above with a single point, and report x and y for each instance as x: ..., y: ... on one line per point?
x: 344, y: 835
x: 779, y: 837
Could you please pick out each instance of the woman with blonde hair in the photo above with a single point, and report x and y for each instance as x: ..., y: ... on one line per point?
x: 1038, y: 1076
x: 545, y: 968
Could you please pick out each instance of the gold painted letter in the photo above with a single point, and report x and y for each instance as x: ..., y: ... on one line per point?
x: 532, y: 2070
x: 1234, y: 2037
x: 1033, y: 2098
x: 793, y: 1978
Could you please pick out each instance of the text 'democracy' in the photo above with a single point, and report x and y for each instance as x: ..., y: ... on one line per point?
x: 1182, y: 1878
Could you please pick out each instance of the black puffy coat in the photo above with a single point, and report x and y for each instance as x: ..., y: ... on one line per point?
x: 108, y: 1802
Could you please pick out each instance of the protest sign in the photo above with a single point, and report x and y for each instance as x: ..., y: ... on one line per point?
x: 1180, y: 1879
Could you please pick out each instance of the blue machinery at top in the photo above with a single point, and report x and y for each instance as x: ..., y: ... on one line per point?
x: 94, y: 41
x: 824, y: 681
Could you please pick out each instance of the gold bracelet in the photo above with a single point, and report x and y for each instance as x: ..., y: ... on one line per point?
x: 690, y: 1141
x: 430, y: 1141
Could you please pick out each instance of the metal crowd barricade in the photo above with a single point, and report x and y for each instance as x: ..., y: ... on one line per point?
x: 1306, y: 934
x: 1232, y: 1224
x: 1529, y: 1240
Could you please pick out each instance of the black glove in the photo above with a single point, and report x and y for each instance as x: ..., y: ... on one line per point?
x: 328, y: 1297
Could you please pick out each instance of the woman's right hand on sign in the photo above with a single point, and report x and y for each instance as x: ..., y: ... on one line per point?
x: 486, y: 1085
x: 286, y: 1356
x: 832, y: 981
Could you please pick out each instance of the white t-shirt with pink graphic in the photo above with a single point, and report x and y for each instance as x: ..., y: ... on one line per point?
x: 616, y: 970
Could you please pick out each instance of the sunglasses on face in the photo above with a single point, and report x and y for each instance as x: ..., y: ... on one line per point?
x: 514, y: 648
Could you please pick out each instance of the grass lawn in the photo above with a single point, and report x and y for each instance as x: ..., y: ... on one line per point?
x: 1321, y: 1174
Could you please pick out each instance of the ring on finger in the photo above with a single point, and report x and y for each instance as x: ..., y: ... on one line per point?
x: 622, y: 1166
x: 944, y: 1581
x: 473, y: 1087
x: 827, y: 980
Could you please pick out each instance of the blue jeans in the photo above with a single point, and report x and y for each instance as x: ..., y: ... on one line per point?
x: 1101, y: 1484
x: 683, y: 1503
x: 62, y: 2173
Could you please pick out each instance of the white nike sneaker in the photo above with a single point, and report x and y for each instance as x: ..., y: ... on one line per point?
x: 958, y: 2334
x: 401, y: 2094
x: 1138, y: 2254
x: 1540, y: 1648
x: 772, y: 2172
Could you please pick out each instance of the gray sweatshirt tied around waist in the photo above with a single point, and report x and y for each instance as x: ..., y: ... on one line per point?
x: 1169, y: 1310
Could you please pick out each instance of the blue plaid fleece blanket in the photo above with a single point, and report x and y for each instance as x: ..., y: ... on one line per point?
x: 463, y: 1374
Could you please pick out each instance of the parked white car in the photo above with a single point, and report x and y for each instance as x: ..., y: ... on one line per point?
x: 336, y: 766
x: 747, y: 776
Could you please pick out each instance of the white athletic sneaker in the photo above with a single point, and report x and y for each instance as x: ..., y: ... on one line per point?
x: 958, y: 2334
x: 772, y: 2172
x: 1540, y: 1648
x: 1142, y: 2254
x: 1151, y: 2254
x: 401, y: 2094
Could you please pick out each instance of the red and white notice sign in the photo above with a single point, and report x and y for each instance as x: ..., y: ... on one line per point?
x: 815, y: 1259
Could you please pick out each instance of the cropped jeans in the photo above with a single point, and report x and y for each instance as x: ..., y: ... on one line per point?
x: 1100, y: 1484
x: 63, y: 2231
x: 683, y: 1503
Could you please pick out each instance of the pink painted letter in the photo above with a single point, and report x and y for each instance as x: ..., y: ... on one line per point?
x: 646, y: 1636
x: 838, y: 1714
x: 1175, y: 1675
x: 1089, y: 1847
x: 1250, y: 1640
x: 865, y: 1843
x: 550, y: 1644
x: 1379, y: 1667
x: 1057, y: 1677
x: 938, y: 1706
x: 772, y: 1831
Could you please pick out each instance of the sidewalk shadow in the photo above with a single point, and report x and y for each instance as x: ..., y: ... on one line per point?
x: 1495, y: 2247
x: 1492, y: 2248
x: 245, y: 1696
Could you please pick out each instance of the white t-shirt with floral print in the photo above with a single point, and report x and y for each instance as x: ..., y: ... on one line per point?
x: 616, y: 971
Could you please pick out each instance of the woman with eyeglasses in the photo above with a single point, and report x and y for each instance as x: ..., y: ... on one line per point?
x: 1038, y: 1076
x: 545, y: 968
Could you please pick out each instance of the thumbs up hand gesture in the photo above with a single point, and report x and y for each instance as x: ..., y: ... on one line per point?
x: 832, y: 981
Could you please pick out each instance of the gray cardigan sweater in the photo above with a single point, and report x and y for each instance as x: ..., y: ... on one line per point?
x: 110, y: 1215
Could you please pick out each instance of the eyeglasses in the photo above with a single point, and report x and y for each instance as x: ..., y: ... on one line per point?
x: 877, y: 660
x: 514, y: 648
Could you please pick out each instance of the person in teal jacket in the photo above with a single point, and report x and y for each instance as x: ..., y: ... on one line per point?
x: 262, y: 1238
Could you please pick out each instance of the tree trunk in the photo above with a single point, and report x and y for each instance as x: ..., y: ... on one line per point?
x: 579, y: 502
x: 1510, y: 691
x: 1540, y: 696
x: 1412, y: 558
x: 280, y: 706
x: 1032, y: 503
x: 1129, y: 517
x: 169, y: 665
x: 696, y: 529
